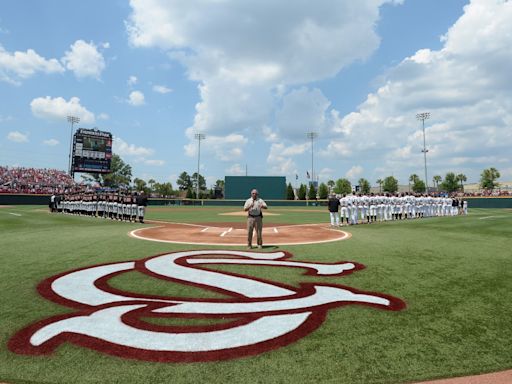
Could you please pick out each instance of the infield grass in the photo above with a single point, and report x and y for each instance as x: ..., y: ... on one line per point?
x: 454, y: 273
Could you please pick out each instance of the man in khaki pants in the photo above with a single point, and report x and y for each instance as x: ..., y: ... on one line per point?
x: 253, y: 207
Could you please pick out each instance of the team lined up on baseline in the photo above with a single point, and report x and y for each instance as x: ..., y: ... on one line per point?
x: 114, y: 206
x: 356, y: 209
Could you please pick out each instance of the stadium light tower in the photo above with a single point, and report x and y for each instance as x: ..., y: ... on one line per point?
x: 312, y: 136
x: 424, y: 116
x: 73, y: 120
x: 199, y: 137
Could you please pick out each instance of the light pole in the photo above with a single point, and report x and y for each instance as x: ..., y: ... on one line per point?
x: 199, y: 137
x: 424, y: 116
x: 312, y: 136
x: 73, y: 120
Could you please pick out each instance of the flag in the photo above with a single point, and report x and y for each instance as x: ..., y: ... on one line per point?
x: 296, y: 177
x: 307, y: 174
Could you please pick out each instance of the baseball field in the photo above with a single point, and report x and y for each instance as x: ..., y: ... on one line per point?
x: 88, y: 300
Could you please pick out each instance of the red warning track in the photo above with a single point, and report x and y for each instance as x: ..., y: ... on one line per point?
x: 232, y: 234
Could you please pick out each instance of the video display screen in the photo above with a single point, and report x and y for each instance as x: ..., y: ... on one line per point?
x: 92, y: 151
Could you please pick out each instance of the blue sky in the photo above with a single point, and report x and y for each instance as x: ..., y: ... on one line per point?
x: 254, y: 77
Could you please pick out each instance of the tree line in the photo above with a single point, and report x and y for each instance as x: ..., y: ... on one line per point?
x: 121, y: 177
x: 451, y: 183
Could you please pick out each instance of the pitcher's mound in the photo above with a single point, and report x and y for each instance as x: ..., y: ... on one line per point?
x: 229, y: 234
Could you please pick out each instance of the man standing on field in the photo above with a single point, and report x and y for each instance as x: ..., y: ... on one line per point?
x: 253, y: 207
x: 334, y: 207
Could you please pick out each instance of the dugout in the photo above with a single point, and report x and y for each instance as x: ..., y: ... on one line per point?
x: 269, y: 187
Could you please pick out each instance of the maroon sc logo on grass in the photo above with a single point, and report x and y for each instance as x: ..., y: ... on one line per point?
x: 258, y: 316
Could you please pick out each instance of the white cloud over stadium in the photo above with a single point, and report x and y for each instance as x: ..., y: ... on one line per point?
x: 257, y: 83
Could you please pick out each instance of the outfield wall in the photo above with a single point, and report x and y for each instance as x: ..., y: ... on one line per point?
x: 269, y: 187
x: 22, y: 199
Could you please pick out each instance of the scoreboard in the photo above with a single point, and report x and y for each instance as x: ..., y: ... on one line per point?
x: 92, y: 151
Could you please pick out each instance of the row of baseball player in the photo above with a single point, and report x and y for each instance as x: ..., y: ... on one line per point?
x: 361, y: 208
x: 115, y: 206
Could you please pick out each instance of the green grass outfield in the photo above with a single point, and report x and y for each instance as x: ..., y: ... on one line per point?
x: 454, y: 273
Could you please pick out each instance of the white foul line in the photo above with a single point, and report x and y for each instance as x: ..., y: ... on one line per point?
x: 224, y: 233
x: 204, y: 230
x: 275, y: 230
x: 490, y: 217
x: 14, y: 214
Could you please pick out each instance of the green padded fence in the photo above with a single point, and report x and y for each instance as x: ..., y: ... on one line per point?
x: 22, y: 199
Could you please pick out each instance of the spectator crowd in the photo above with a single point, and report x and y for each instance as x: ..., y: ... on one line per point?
x: 34, y: 180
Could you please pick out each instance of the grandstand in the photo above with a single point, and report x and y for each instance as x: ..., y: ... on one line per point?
x: 34, y: 180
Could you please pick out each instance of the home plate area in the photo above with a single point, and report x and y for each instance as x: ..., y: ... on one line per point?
x: 235, y: 234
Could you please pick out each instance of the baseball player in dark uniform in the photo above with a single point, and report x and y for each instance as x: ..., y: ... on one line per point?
x: 334, y: 206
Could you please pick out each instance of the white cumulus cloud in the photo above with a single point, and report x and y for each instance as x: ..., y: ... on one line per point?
x: 244, y: 69
x: 224, y: 148
x: 161, y: 89
x: 136, y: 98
x: 465, y: 86
x: 58, y: 108
x: 154, y: 162
x: 123, y: 148
x: 132, y: 80
x: 84, y: 60
x: 354, y: 172
x: 17, y: 137
x: 51, y: 142
x: 22, y: 65
x: 235, y: 170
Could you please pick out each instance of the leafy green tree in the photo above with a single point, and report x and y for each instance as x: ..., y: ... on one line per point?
x: 202, y: 182
x: 219, y: 184
x: 390, y: 184
x: 302, y: 192
x: 419, y: 186
x: 437, y: 179
x: 488, y: 178
x: 450, y: 183
x: 184, y: 182
x: 190, y: 194
x: 164, y: 189
x: 311, y: 192
x: 120, y: 174
x: 379, y: 181
x: 331, y: 185
x: 343, y: 186
x: 323, y: 191
x: 140, y: 185
x: 461, y: 178
x: 289, y: 192
x: 151, y: 183
x: 413, y: 178
x: 364, y: 186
